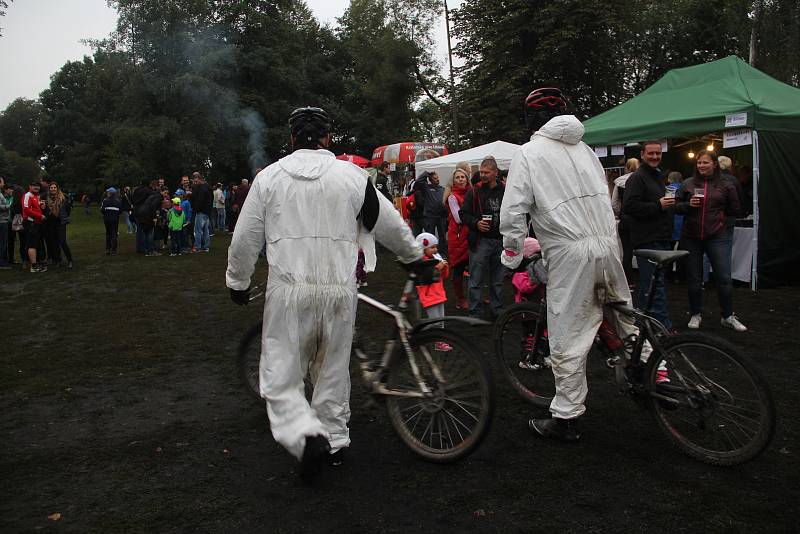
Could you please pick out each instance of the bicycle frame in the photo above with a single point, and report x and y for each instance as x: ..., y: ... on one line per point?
x: 405, y: 331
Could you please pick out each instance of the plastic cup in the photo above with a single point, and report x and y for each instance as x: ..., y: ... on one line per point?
x: 670, y: 193
x: 700, y: 192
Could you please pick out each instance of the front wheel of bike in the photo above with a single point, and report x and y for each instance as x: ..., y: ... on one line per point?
x: 449, y: 421
x: 710, y: 400
x: 523, y: 352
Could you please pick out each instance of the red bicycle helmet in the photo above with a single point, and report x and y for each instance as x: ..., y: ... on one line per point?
x: 546, y: 98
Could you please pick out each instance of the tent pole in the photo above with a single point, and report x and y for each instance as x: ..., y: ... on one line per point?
x: 754, y: 265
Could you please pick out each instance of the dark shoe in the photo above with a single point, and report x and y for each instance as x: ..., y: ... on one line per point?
x: 337, y: 458
x: 563, y: 429
x: 314, y: 455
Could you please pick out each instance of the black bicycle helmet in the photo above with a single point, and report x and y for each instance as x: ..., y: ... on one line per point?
x: 308, y: 125
x: 543, y: 104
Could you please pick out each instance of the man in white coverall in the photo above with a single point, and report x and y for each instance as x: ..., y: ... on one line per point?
x: 559, y: 181
x: 313, y: 212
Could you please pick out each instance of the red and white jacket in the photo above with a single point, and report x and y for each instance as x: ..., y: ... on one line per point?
x: 31, y: 210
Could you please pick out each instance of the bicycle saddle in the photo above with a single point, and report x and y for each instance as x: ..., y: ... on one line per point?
x: 661, y: 257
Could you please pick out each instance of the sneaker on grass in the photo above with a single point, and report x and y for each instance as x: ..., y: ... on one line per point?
x: 734, y: 323
x: 694, y: 322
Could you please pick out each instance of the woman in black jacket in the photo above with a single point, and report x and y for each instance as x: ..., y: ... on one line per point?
x: 705, y: 200
x: 57, y: 212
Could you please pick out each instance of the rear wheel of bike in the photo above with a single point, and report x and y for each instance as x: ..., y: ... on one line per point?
x: 249, y: 358
x: 710, y: 400
x: 451, y: 420
x: 523, y: 351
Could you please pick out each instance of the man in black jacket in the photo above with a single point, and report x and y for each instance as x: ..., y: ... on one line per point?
x: 652, y: 221
x: 480, y: 212
x: 433, y: 211
x: 146, y: 201
x: 382, y: 180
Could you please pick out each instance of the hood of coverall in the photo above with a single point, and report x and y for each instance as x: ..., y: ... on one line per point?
x: 306, y: 164
x: 564, y: 128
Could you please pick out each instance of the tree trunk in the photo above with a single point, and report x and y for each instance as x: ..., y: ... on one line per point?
x: 757, y: 5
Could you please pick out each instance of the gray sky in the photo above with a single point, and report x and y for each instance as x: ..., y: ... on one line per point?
x: 39, y: 36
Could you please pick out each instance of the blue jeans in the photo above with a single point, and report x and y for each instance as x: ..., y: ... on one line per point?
x: 220, y: 218
x: 718, y: 250
x: 144, y: 240
x: 485, y: 267
x: 646, y: 271
x: 202, y: 224
x: 126, y: 218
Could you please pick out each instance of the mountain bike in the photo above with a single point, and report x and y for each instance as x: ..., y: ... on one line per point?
x: 438, y: 391
x: 709, y: 399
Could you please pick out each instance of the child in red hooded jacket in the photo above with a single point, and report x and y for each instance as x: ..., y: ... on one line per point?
x: 432, y: 296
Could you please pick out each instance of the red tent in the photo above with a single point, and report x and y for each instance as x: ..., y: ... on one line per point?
x: 354, y: 159
x: 408, y: 152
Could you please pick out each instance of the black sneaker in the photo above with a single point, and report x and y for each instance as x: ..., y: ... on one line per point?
x: 314, y: 455
x: 563, y: 429
x: 337, y: 458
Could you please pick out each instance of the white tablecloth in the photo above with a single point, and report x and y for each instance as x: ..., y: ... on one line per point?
x: 742, y: 257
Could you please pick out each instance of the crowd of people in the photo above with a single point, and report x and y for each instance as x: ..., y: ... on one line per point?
x: 33, y: 226
x: 653, y: 209
x: 34, y: 221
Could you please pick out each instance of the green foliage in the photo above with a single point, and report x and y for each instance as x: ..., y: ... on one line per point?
x: 185, y: 85
x: 19, y: 127
x: 17, y: 169
x: 600, y: 52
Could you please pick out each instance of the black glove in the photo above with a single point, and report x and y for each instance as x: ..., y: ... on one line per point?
x: 424, y: 271
x: 242, y: 298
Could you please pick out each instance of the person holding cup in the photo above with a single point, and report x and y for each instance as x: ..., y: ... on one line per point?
x: 705, y: 200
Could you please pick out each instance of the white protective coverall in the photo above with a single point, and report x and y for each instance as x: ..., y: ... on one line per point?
x: 305, y: 207
x: 559, y: 181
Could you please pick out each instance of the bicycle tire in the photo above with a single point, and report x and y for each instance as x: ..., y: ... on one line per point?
x: 462, y: 368
x: 707, y: 377
x: 535, y: 386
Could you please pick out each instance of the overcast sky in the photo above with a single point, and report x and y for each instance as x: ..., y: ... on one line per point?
x: 39, y: 36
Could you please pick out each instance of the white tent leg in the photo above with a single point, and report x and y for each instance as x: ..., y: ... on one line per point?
x: 754, y: 266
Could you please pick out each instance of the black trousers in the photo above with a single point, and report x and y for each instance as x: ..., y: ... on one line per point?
x: 112, y: 231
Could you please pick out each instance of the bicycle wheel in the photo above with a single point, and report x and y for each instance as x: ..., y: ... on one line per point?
x: 524, y: 353
x: 710, y: 400
x: 249, y: 358
x: 455, y: 417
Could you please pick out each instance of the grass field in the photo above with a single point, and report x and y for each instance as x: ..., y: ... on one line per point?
x: 122, y: 412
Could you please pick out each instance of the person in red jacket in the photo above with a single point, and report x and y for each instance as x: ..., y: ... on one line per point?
x: 432, y: 296
x: 457, y: 245
x: 32, y: 219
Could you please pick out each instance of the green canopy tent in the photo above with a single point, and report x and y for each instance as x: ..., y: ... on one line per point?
x: 724, y: 94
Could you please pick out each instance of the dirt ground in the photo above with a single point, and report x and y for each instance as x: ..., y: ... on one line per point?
x: 121, y: 411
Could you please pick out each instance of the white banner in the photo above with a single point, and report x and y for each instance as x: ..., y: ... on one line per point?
x: 601, y: 151
x: 740, y: 137
x: 664, y: 146
x: 735, y: 119
x: 617, y: 150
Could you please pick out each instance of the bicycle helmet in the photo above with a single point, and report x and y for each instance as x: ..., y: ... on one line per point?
x: 543, y: 104
x: 308, y: 125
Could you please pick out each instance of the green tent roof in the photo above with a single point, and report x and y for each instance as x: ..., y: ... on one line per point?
x: 695, y: 100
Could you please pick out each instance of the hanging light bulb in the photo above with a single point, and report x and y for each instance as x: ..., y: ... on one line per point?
x: 691, y: 155
x: 710, y: 148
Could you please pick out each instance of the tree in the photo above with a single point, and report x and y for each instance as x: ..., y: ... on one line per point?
x: 19, y: 127
x: 3, y: 7
x: 18, y: 170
